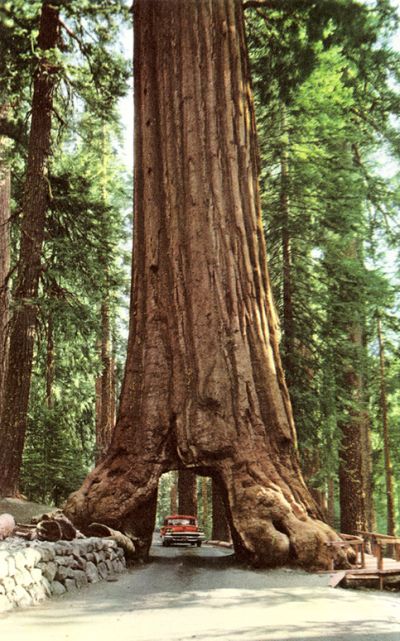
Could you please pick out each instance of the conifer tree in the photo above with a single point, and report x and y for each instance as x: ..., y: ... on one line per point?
x: 97, y: 69
x: 23, y: 322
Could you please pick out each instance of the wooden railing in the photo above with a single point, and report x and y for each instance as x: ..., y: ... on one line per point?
x: 349, y: 540
x: 378, y: 542
x: 358, y: 543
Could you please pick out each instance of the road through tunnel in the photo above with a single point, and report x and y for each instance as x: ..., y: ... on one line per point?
x: 188, y: 502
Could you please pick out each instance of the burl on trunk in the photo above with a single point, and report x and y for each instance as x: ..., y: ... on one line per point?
x: 204, y: 387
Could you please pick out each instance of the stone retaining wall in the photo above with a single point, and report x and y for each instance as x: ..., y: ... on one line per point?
x: 31, y: 571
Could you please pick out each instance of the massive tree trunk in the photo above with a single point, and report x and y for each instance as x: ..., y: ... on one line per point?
x: 204, y: 387
x: 23, y: 323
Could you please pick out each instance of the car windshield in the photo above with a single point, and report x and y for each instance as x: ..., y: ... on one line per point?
x: 180, y: 522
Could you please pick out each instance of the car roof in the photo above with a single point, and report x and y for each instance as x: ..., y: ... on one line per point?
x: 180, y: 516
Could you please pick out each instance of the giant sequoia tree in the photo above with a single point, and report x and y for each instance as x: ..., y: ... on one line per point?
x: 204, y: 387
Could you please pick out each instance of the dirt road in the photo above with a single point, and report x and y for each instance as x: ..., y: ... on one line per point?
x: 190, y: 594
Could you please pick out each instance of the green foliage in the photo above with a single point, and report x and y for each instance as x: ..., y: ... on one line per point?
x: 327, y: 96
x: 86, y: 225
x: 84, y: 238
x: 59, y: 449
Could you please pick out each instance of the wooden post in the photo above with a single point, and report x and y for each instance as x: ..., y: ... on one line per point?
x: 379, y: 556
x: 391, y: 527
x: 363, y: 555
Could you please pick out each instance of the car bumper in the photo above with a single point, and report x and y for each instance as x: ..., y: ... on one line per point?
x: 183, y: 539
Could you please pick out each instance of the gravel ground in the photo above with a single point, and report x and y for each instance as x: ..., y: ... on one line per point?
x: 200, y: 594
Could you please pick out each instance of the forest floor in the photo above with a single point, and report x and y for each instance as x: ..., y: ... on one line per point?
x: 22, y: 510
x: 188, y: 594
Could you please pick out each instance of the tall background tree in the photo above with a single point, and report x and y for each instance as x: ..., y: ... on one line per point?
x: 66, y: 279
x: 36, y: 193
x: 324, y: 76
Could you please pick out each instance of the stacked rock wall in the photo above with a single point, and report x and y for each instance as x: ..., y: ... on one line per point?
x: 32, y: 571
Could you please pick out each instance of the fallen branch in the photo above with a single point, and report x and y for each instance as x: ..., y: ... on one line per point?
x: 125, y: 542
x: 49, y: 530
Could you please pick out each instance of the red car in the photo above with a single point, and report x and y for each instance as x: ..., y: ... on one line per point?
x: 181, y: 528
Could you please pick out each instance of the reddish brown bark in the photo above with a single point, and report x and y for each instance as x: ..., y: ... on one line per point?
x: 50, y: 363
x: 366, y: 448
x: 331, y: 502
x: 353, y: 469
x: 23, y: 322
x: 351, y: 477
x: 105, y: 390
x: 390, y: 510
x: 311, y: 466
x: 220, y: 527
x: 187, y: 492
x: 105, y: 403
x: 4, y: 268
x: 203, y: 385
x: 288, y: 321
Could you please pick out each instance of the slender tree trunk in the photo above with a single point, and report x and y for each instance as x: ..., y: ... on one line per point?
x: 331, y: 502
x: 104, y: 387
x: 366, y: 461
x: 220, y: 527
x: 351, y: 468
x: 353, y: 482
x: 390, y: 511
x: 291, y: 345
x: 50, y: 360
x: 98, y: 398
x: 113, y: 408
x: 173, y: 502
x: 4, y: 269
x: 288, y: 322
x: 204, y: 386
x: 187, y: 492
x: 204, y: 502
x: 23, y: 323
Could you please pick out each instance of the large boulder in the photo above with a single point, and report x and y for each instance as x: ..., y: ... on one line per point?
x: 7, y: 525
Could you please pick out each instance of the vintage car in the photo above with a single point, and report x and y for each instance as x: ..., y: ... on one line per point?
x: 181, y: 528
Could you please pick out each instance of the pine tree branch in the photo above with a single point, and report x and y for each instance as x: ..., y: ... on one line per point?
x: 81, y: 45
x: 12, y: 130
x: 258, y: 4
